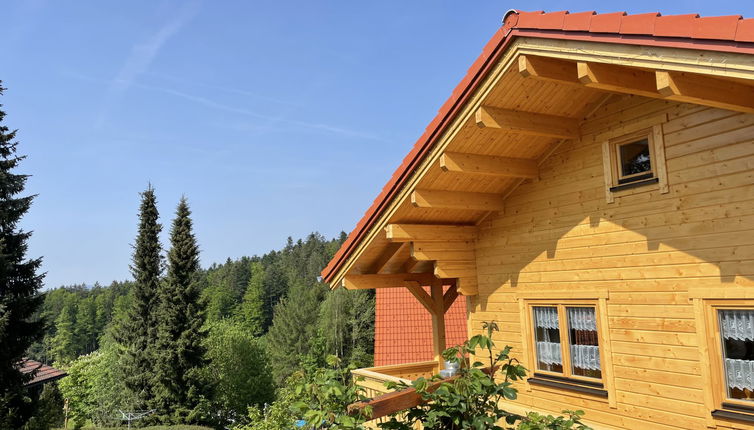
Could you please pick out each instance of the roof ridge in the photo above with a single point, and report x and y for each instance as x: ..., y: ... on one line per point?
x: 733, y: 28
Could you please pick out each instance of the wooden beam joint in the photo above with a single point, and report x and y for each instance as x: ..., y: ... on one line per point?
x: 537, y: 124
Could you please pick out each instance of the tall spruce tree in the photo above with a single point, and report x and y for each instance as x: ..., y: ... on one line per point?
x: 251, y: 310
x: 19, y: 285
x: 137, y: 333
x: 180, y: 353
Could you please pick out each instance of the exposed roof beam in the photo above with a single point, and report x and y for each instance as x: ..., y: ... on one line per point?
x: 551, y: 69
x: 410, y: 264
x: 455, y: 269
x: 368, y: 282
x: 390, y: 251
x: 504, y: 167
x: 451, y: 251
x: 440, y: 199
x: 609, y: 77
x: 707, y: 91
x: 430, y: 232
x: 536, y: 124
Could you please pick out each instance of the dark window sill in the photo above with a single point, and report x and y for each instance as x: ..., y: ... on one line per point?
x: 730, y: 415
x: 634, y: 185
x: 573, y: 385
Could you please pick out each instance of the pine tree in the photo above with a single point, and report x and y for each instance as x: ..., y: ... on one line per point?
x: 64, y: 346
x: 137, y: 333
x: 292, y: 336
x: 180, y: 352
x: 252, y: 307
x: 19, y: 285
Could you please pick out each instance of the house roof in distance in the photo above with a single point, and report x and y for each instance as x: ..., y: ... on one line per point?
x: 731, y: 33
x: 44, y: 373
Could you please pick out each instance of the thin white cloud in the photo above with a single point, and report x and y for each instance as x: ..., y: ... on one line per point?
x: 143, y: 54
x: 246, y: 112
x: 271, y: 123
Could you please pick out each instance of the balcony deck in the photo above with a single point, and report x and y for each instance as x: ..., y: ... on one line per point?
x: 373, y: 379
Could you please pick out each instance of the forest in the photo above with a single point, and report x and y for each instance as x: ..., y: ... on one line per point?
x: 265, y: 317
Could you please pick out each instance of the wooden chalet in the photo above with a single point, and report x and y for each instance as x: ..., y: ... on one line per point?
x: 589, y: 186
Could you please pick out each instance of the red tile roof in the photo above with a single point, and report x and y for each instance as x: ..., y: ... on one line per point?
x: 689, y: 26
x: 44, y: 373
x: 403, y: 328
x: 721, y: 33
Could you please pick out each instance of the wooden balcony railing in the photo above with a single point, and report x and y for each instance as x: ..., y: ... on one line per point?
x: 373, y: 380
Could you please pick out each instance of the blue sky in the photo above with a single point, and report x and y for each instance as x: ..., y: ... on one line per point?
x: 275, y: 119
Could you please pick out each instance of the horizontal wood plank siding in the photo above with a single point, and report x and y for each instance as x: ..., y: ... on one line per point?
x: 646, y: 250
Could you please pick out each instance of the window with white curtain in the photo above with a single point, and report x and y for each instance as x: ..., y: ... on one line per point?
x: 737, y: 336
x: 579, y: 340
x: 547, y: 335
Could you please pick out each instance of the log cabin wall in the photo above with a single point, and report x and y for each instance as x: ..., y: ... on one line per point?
x: 637, y: 257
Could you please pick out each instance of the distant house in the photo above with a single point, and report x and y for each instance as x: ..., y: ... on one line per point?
x: 42, y: 374
x: 589, y: 185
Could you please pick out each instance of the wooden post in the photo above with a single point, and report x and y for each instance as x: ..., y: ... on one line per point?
x: 438, y: 322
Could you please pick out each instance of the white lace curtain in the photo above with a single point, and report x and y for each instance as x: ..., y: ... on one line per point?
x: 582, y: 319
x: 585, y: 357
x: 738, y: 325
x: 546, y: 317
x: 740, y: 373
x: 548, y: 347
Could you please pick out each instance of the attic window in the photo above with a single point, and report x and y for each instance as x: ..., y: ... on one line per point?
x: 635, y: 160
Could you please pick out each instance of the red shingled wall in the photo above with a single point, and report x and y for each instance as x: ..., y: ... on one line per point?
x: 403, y: 328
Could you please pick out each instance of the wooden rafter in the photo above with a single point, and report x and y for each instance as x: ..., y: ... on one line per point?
x: 504, y: 167
x: 618, y: 79
x: 409, y: 265
x: 705, y: 90
x: 440, y: 199
x: 430, y: 232
x: 551, y: 69
x: 449, y: 251
x: 679, y: 86
x: 455, y: 269
x: 388, y: 254
x: 372, y: 281
x: 464, y: 272
x: 536, y: 124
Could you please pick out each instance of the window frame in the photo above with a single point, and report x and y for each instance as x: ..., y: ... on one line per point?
x: 719, y: 377
x: 565, y: 342
x: 651, y: 130
x: 618, y: 177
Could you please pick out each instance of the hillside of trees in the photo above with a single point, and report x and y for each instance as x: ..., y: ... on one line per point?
x: 266, y: 315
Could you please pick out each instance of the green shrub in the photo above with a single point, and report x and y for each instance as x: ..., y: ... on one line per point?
x: 473, y: 399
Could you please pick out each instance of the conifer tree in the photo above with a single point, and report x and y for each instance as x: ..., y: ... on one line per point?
x: 19, y: 285
x: 137, y: 333
x: 252, y: 307
x: 64, y: 343
x: 180, y: 353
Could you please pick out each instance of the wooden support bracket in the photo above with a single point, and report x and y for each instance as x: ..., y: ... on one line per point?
x: 430, y: 232
x: 626, y: 80
x: 440, y: 199
x: 503, y: 167
x: 536, y: 124
x: 366, y: 282
x: 551, y: 69
x: 705, y: 90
